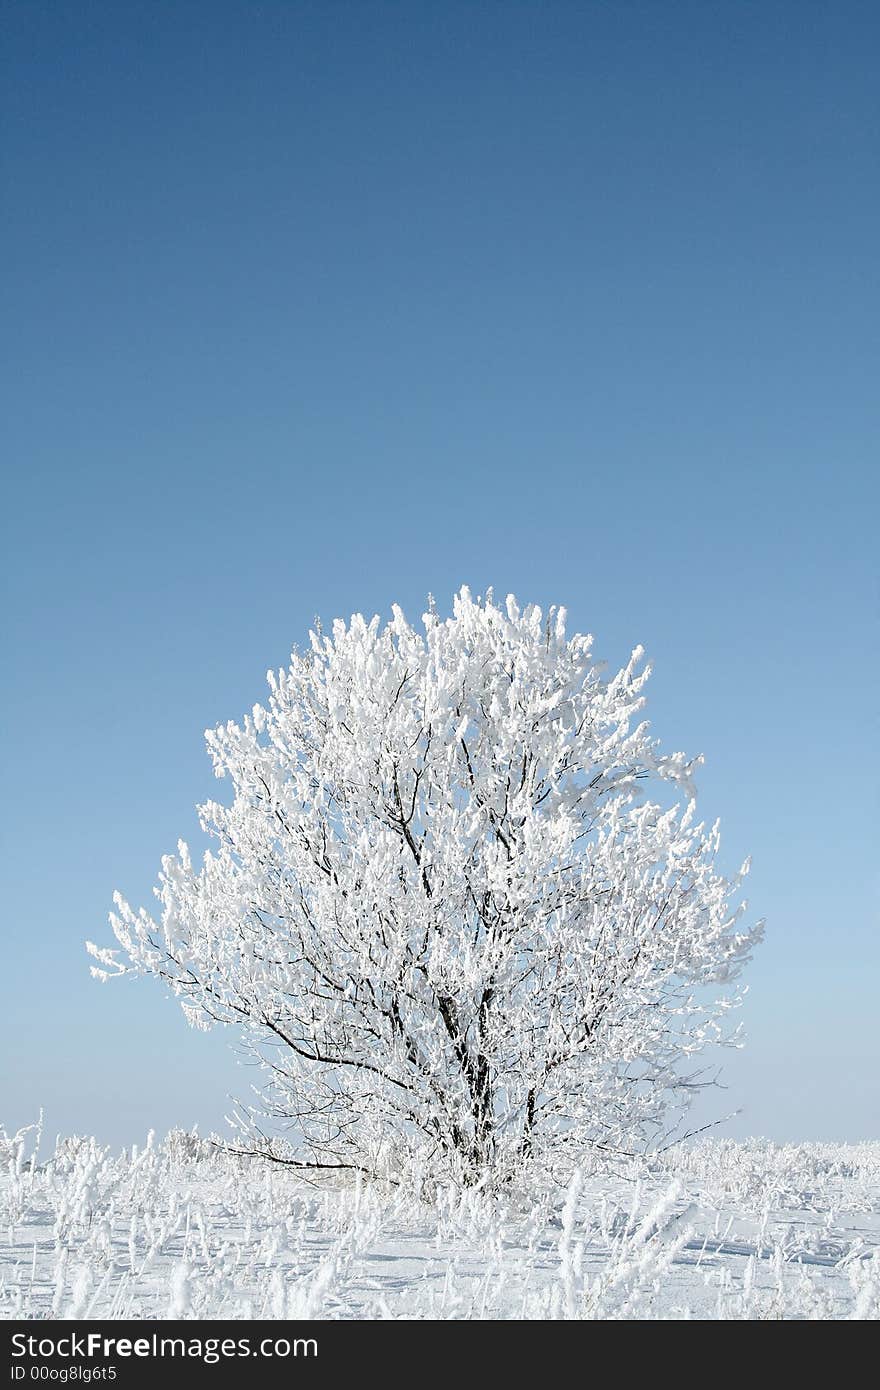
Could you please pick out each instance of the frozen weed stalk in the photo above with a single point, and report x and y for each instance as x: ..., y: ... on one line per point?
x: 444, y: 909
x: 180, y: 1229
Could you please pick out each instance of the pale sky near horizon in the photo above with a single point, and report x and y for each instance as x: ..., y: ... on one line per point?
x: 314, y: 307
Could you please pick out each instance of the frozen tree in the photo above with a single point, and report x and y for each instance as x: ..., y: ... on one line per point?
x: 441, y: 910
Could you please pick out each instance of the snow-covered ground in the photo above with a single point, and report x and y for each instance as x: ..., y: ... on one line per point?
x: 713, y: 1230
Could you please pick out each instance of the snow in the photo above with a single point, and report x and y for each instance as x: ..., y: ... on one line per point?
x: 713, y: 1230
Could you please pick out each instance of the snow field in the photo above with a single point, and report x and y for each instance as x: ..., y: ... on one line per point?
x: 179, y: 1229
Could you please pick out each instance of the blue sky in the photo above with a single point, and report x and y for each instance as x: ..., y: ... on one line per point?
x: 309, y: 308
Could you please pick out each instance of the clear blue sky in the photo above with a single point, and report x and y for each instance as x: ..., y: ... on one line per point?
x: 309, y: 308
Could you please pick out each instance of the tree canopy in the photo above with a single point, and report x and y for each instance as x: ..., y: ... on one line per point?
x: 458, y: 904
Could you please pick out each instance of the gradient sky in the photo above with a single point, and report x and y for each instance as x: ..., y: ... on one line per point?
x: 309, y: 308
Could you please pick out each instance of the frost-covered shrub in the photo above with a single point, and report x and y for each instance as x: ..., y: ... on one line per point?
x: 796, y: 1176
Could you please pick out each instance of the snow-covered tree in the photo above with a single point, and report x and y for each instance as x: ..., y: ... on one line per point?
x: 441, y: 910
